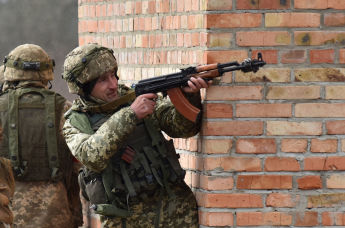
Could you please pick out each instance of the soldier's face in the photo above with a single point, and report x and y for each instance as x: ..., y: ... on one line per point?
x: 106, y: 87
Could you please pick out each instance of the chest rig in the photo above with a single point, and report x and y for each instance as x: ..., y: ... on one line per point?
x: 30, y: 128
x: 145, y: 163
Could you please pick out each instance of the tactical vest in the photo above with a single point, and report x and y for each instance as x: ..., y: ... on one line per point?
x: 147, y: 162
x: 30, y: 120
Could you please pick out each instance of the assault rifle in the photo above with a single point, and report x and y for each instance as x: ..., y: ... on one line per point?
x: 171, y: 84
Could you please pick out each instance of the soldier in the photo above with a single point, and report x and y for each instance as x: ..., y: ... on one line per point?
x: 132, y: 176
x: 6, y: 182
x: 6, y: 193
x: 31, y: 116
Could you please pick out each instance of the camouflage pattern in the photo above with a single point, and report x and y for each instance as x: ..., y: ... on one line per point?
x: 45, y: 203
x: 177, y: 213
x: 28, y: 53
x: 86, y: 63
x: 41, y: 204
x: 2, y: 79
x: 6, y: 191
x: 95, y: 150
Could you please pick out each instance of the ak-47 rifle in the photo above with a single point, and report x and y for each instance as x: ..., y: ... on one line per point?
x: 171, y: 83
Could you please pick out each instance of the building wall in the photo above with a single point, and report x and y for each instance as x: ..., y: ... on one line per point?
x: 271, y: 149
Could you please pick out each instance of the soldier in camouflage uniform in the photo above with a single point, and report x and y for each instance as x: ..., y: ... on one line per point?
x: 6, y: 192
x: 6, y: 183
x: 132, y: 176
x: 31, y: 119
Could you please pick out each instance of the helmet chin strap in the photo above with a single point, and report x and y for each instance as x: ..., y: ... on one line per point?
x: 50, y: 85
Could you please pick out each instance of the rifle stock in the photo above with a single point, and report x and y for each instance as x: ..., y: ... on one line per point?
x: 171, y: 84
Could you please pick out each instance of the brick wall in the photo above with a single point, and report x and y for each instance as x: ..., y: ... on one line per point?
x: 271, y: 149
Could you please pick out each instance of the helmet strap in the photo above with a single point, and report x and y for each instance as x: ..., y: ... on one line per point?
x: 50, y: 85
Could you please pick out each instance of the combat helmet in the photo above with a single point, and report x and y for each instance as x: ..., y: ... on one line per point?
x: 28, y: 62
x: 86, y: 63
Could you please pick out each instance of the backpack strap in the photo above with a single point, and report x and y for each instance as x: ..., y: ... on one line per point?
x: 19, y: 167
x: 51, y: 136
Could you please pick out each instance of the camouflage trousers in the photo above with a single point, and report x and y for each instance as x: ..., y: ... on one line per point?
x: 6, y: 192
x: 160, y: 210
x: 41, y: 204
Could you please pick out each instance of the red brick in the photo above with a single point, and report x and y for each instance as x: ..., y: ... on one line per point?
x: 275, y: 164
x: 263, y: 219
x: 219, y: 5
x: 235, y: 20
x: 319, y: 75
x: 336, y: 127
x: 195, y: 5
x: 263, y: 38
x: 216, y: 146
x: 297, y: 20
x: 293, y: 56
x: 263, y: 110
x: 214, y: 183
x: 319, y: 4
x: 294, y: 145
x: 256, y: 146
x: 263, y: 4
x: 232, y: 128
x: 223, y: 93
x: 325, y: 200
x: 195, y: 180
x: 187, y: 5
x: 335, y: 163
x: 293, y: 92
x: 333, y: 218
x: 264, y: 182
x: 218, y: 110
x: 309, y: 182
x: 314, y: 163
x: 92, y: 26
x: 321, y: 163
x: 219, y: 40
x: 293, y: 128
x: 324, y: 145
x: 335, y: 181
x: 307, y: 4
x: 282, y: 200
x: 238, y: 164
x: 307, y: 218
x: 342, y: 56
x: 322, y: 56
x: 225, y: 56
x: 270, y: 56
x: 216, y: 218
x: 223, y: 200
x: 319, y: 110
x: 319, y: 37
x: 334, y: 19
x: 264, y: 75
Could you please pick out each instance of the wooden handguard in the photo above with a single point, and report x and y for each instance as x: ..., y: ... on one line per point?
x: 182, y: 105
x: 206, y: 67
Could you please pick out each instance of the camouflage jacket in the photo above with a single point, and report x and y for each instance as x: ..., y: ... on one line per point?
x: 46, y: 203
x: 6, y: 191
x: 94, y: 149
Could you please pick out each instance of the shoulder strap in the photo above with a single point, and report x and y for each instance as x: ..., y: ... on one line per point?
x: 156, y: 137
x: 13, y: 138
